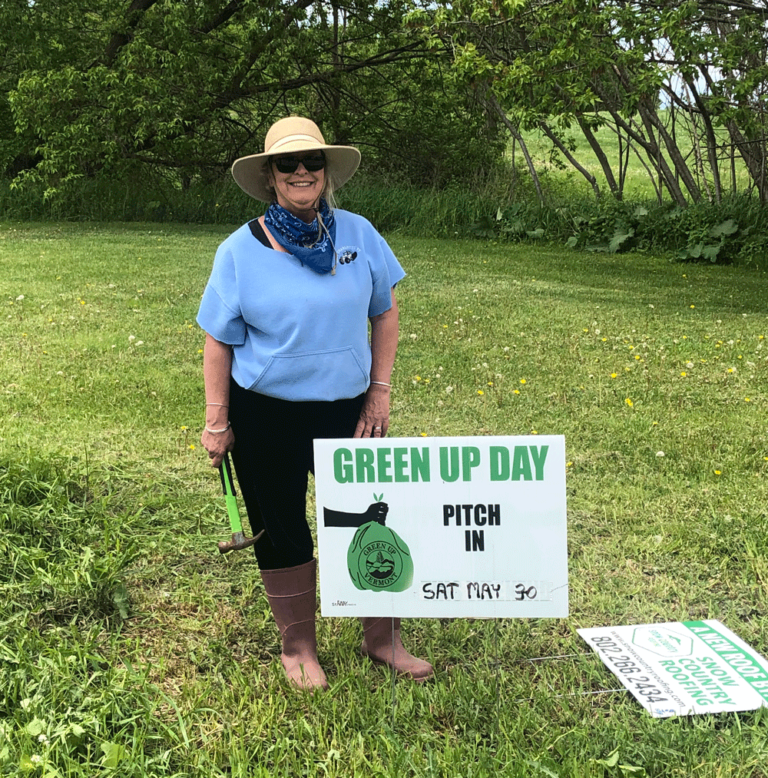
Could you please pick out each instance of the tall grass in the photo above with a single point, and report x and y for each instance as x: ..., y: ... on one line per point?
x: 496, y: 207
x: 390, y: 205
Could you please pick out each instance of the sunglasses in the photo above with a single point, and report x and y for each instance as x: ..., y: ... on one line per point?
x: 290, y: 164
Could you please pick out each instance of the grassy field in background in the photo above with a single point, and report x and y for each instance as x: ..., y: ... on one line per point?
x: 639, y: 185
x: 129, y: 647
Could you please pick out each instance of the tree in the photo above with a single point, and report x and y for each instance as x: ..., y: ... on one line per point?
x: 187, y: 87
x: 664, y: 76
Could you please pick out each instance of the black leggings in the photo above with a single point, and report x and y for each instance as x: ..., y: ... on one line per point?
x: 273, y: 455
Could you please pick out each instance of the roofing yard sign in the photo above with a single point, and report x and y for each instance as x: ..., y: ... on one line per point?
x: 683, y: 667
x: 442, y: 527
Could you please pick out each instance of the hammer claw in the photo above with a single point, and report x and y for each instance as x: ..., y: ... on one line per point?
x: 238, y: 542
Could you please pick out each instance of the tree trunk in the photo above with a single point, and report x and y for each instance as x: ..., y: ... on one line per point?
x: 651, y: 119
x: 574, y: 162
x: 514, y: 131
x: 752, y: 151
x: 709, y: 132
x: 616, y: 190
x: 649, y: 145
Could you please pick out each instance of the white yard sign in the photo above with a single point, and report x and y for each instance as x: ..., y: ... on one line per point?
x: 683, y: 668
x: 442, y: 527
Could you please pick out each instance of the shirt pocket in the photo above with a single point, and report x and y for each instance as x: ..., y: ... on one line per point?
x: 330, y: 374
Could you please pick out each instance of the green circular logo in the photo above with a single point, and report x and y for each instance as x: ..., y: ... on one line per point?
x: 380, y: 564
x: 379, y: 560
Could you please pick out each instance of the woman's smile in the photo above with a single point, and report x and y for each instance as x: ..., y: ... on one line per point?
x: 298, y: 191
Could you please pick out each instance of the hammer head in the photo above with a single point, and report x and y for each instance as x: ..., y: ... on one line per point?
x: 238, y: 541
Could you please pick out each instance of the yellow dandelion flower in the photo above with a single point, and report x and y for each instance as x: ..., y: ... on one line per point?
x: 418, y: 378
x: 629, y: 403
x: 423, y: 434
x: 683, y: 374
x: 490, y: 383
x: 614, y: 375
x: 523, y: 381
x: 184, y: 428
x: 718, y: 472
x: 191, y: 446
x: 568, y: 464
x: 480, y: 391
x: 199, y: 351
x: 747, y: 400
x: 517, y: 391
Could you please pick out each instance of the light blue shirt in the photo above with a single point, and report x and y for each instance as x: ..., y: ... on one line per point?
x: 295, y: 334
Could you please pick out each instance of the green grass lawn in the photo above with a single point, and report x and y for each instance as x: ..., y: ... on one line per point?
x: 129, y: 647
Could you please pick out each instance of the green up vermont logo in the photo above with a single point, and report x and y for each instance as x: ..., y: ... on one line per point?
x: 378, y: 559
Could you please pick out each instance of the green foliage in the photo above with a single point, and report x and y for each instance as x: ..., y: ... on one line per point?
x: 182, y: 89
x: 514, y: 222
x: 609, y: 63
x: 733, y: 231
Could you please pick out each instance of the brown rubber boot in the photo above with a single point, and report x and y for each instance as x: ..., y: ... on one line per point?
x: 292, y: 597
x: 378, y: 644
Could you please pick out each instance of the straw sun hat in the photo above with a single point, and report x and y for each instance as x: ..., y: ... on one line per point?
x: 288, y: 136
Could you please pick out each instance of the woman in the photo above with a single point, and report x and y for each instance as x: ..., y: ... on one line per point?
x: 287, y: 360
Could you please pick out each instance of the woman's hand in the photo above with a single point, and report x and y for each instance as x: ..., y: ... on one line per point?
x: 374, y: 416
x: 217, y: 444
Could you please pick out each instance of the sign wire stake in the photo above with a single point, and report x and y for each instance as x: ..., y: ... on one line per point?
x: 394, y: 673
x: 558, y: 657
x: 498, y: 669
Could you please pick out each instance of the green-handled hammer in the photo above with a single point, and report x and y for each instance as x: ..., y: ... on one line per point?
x: 238, y: 537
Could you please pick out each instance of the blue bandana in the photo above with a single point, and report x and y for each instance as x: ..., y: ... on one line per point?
x: 312, y: 244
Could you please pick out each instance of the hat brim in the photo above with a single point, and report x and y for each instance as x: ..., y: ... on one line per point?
x: 249, y: 172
